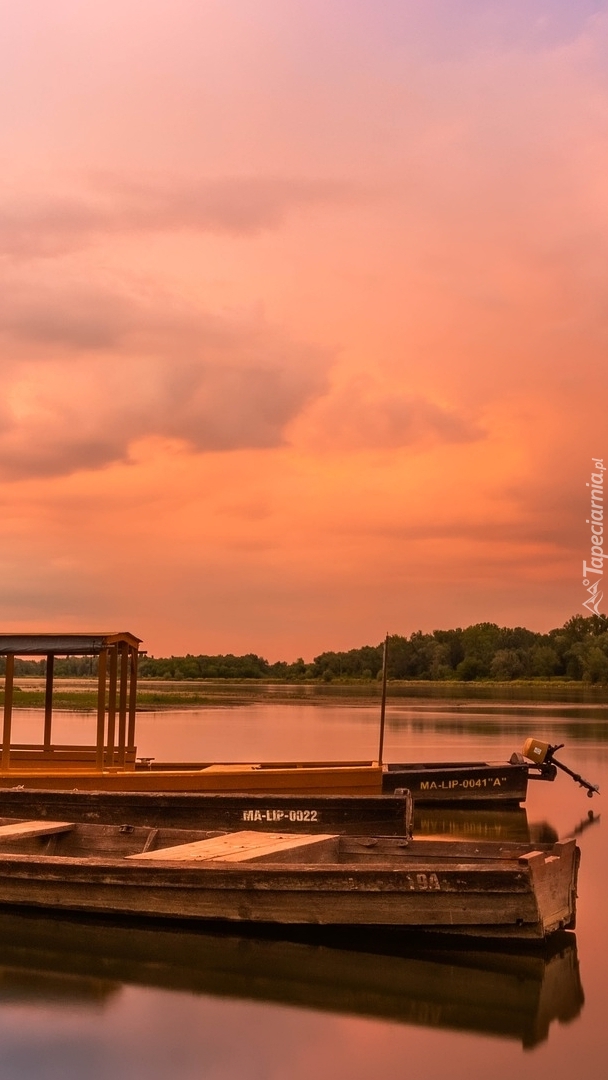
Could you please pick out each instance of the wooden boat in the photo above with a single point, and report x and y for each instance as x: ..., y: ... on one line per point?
x: 510, y: 994
x: 383, y: 815
x: 112, y: 765
x: 387, y: 815
x: 446, y: 784
x: 457, y: 888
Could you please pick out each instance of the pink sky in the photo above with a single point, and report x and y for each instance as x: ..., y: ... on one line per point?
x: 304, y: 325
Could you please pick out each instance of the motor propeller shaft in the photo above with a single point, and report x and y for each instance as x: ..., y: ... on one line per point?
x: 542, y: 753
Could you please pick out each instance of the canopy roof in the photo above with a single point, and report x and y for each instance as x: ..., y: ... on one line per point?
x: 63, y: 644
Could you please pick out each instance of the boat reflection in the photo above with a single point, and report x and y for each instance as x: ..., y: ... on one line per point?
x: 480, y: 824
x: 477, y: 824
x: 374, y: 974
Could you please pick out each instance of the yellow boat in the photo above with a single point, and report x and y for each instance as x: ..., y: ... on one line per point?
x: 111, y: 763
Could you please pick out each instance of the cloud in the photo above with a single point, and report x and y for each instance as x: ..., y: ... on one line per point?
x: 87, y: 373
x: 362, y: 415
x: 68, y: 316
x: 243, y: 206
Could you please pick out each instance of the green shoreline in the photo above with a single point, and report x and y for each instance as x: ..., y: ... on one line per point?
x: 165, y: 695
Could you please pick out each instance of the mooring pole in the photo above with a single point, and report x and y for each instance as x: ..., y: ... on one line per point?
x: 383, y: 704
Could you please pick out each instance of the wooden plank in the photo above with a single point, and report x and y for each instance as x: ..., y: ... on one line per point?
x: 230, y: 768
x: 150, y: 840
x: 122, y: 703
x: 48, y: 701
x: 113, y: 655
x: 101, y: 708
x: 132, y: 700
x: 18, y: 830
x: 8, y: 710
x: 234, y: 847
x: 489, y: 851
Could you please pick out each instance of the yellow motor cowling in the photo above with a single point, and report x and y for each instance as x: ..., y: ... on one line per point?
x: 535, y: 750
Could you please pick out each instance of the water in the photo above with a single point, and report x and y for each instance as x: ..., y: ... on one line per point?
x: 80, y: 998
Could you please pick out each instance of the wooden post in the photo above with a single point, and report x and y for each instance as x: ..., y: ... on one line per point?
x: 122, y: 703
x: 8, y: 711
x: 48, y: 701
x: 383, y: 704
x: 101, y: 707
x: 132, y: 698
x: 112, y: 705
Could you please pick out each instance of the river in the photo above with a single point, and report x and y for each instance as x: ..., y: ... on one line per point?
x: 82, y: 998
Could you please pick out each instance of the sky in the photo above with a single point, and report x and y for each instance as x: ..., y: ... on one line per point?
x: 303, y: 323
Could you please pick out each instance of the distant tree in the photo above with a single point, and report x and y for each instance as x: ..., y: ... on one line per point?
x: 577, y: 650
x: 580, y: 626
x: 401, y: 663
x: 544, y: 661
x: 595, y: 665
x: 480, y: 643
x: 470, y: 668
x: 451, y: 640
x: 351, y: 664
x: 506, y: 664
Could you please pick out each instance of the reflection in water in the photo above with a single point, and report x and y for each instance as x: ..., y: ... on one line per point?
x: 480, y: 824
x: 383, y: 975
x: 591, y: 819
x: 574, y: 726
x: 36, y: 985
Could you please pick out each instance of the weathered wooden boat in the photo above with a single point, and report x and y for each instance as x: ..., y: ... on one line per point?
x: 387, y: 815
x: 111, y: 763
x: 510, y: 994
x: 456, y: 888
x: 382, y: 815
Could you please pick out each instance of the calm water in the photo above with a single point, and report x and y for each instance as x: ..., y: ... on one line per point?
x: 84, y: 999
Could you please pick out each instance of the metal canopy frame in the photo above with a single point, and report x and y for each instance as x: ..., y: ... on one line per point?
x: 114, y: 747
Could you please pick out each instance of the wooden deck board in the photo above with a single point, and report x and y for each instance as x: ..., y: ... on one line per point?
x: 234, y: 847
x: 237, y: 768
x: 19, y: 830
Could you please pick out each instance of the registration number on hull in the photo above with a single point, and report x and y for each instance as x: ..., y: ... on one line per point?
x: 469, y: 783
x: 280, y: 815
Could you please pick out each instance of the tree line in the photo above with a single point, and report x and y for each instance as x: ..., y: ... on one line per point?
x: 485, y: 651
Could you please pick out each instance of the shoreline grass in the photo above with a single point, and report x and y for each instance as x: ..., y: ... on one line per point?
x: 81, y: 694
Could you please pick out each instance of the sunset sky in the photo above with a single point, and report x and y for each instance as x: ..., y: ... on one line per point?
x: 304, y: 316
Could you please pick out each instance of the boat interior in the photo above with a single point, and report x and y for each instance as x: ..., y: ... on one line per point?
x: 166, y: 845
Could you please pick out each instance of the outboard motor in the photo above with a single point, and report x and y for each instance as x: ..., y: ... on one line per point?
x: 542, y: 754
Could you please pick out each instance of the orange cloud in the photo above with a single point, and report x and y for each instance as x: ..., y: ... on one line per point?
x: 89, y: 372
x: 363, y: 415
x: 33, y: 226
x: 309, y: 312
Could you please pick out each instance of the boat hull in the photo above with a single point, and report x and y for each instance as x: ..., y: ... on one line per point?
x: 459, y: 783
x: 374, y: 814
x: 358, y: 778
x: 480, y: 890
x: 448, y: 783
